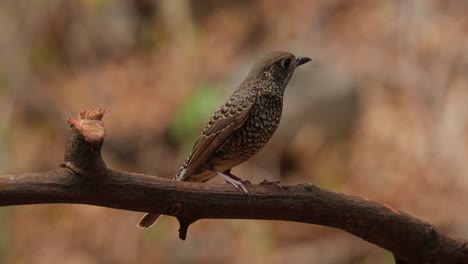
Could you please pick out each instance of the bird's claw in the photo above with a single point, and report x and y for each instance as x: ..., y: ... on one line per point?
x: 237, y: 184
x: 238, y: 179
x: 234, y: 180
x: 247, y: 182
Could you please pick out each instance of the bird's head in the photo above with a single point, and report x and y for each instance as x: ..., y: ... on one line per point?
x: 274, y: 70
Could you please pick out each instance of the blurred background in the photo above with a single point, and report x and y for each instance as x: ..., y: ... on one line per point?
x: 381, y: 112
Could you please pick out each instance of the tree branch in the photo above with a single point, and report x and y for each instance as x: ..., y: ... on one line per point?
x: 83, y: 178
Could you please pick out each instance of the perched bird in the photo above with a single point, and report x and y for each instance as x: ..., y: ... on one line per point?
x: 241, y: 126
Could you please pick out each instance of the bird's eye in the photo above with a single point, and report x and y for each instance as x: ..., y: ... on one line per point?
x: 286, y: 63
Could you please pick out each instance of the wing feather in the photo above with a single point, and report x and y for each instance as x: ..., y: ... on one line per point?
x: 227, y: 119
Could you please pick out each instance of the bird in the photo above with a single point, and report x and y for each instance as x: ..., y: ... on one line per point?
x: 241, y: 126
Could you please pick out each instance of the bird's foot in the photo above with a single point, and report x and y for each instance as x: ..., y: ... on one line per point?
x: 236, y: 183
x: 234, y: 180
x: 247, y: 182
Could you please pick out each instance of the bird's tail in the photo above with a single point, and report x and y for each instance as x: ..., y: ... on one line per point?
x: 148, y: 220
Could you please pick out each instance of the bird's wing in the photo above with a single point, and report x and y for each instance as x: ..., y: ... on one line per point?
x: 229, y: 117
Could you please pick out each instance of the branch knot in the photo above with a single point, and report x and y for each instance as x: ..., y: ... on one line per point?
x: 83, y: 150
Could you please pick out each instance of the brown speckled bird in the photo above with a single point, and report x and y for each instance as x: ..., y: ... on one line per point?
x: 241, y: 126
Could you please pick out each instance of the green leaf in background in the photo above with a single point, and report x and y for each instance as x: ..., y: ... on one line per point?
x: 194, y: 113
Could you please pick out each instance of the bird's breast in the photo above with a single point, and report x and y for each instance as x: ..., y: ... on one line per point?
x: 258, y: 128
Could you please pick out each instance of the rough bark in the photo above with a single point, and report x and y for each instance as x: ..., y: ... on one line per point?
x: 83, y: 178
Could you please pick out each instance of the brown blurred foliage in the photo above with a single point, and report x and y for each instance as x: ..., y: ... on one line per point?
x: 380, y: 112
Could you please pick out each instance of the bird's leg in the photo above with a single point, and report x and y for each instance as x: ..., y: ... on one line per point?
x: 236, y: 182
x: 228, y: 172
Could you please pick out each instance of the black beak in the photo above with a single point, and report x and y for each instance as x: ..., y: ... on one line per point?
x: 302, y: 60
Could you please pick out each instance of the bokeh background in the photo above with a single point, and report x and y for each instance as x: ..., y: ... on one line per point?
x: 381, y: 112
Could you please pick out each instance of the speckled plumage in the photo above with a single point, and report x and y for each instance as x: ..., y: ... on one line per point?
x: 263, y: 113
x: 242, y: 125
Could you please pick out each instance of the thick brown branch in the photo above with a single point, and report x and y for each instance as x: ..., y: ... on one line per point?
x: 412, y: 240
x: 407, y: 237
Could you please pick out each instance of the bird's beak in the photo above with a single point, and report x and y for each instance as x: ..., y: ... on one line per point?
x: 302, y: 60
